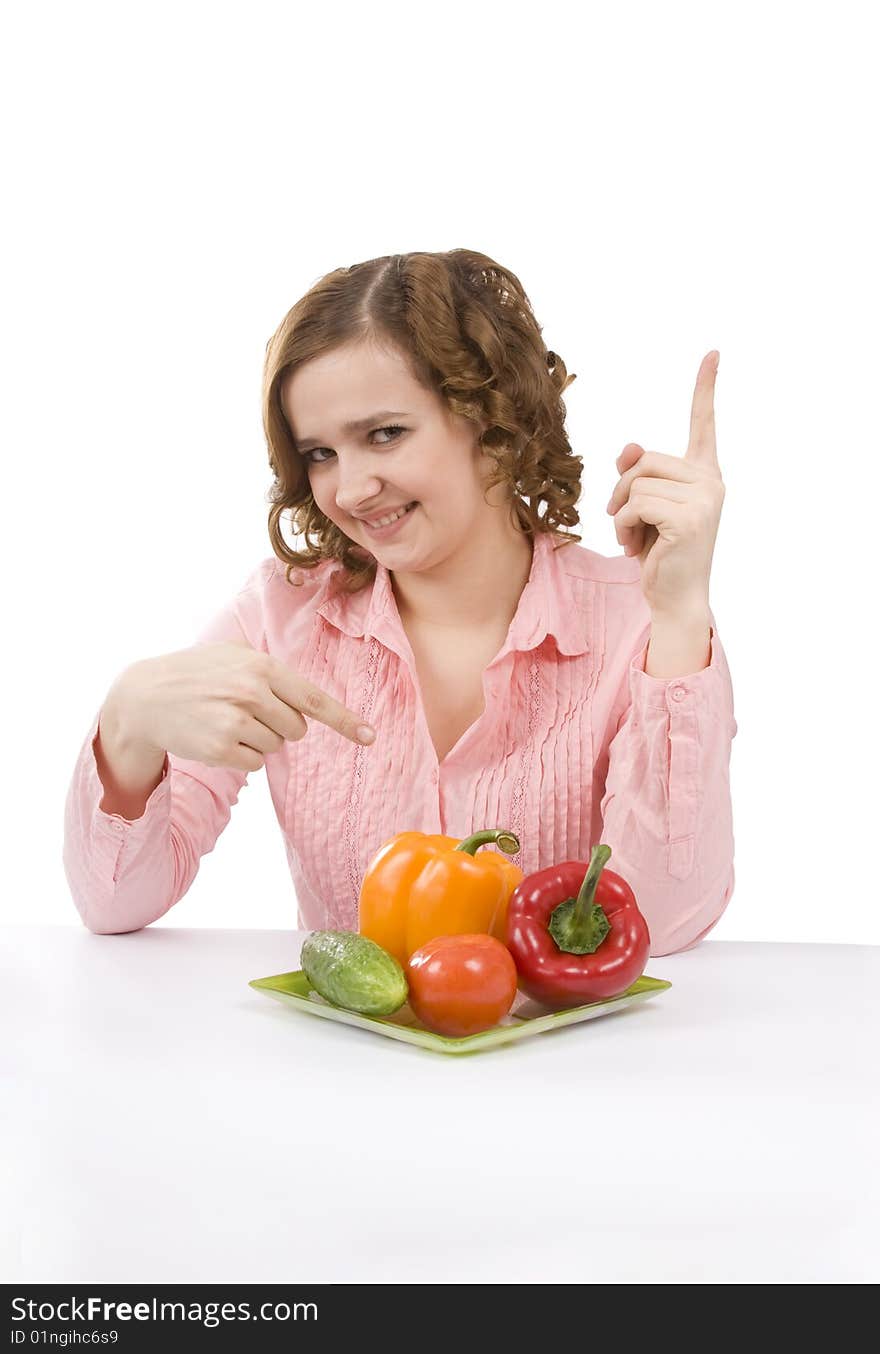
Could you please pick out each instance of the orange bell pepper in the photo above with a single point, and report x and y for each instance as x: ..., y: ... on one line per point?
x: 421, y: 885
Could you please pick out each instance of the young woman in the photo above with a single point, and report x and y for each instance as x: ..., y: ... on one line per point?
x: 507, y: 676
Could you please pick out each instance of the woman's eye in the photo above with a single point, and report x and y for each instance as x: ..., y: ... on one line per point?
x: 392, y: 428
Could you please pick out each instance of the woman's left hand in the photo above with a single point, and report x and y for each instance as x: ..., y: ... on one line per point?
x: 666, y: 508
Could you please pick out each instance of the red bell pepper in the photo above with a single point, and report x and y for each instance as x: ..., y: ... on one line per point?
x: 576, y: 937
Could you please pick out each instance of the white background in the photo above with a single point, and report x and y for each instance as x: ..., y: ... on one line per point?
x: 663, y: 180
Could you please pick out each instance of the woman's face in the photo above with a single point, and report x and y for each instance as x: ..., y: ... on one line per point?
x: 409, y: 449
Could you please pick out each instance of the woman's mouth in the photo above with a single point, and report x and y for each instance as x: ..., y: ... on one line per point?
x: 388, y: 528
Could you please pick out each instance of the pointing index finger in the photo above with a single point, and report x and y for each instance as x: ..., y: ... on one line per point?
x: 310, y: 700
x: 701, y: 442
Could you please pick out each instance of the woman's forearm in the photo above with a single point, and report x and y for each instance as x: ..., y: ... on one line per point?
x: 128, y: 769
x: 678, y: 646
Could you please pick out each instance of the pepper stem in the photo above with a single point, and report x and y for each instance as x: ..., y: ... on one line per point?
x: 505, y: 840
x: 579, y: 925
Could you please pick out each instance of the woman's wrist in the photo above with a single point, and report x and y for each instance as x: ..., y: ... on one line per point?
x: 680, y: 645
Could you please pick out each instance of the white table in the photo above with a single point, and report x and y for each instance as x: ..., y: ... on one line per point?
x: 169, y: 1124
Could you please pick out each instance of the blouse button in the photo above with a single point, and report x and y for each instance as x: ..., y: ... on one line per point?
x: 678, y: 693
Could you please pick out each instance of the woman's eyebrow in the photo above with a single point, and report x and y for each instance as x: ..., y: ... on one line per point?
x: 355, y: 425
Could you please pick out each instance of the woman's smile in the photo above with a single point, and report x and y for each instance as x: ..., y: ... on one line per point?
x: 391, y: 528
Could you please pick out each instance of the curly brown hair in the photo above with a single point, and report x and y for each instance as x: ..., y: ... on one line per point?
x: 467, y: 329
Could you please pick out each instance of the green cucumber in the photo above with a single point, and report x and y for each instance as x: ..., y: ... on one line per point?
x: 351, y: 971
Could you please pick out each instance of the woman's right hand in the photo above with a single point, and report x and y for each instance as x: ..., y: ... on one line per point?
x: 221, y: 704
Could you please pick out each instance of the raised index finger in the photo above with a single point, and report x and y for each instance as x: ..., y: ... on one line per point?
x: 701, y: 442
x: 310, y: 700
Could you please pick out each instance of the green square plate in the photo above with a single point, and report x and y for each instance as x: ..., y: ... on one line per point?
x: 525, y: 1017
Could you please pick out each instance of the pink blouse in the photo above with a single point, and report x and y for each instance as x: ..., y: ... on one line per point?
x: 576, y: 745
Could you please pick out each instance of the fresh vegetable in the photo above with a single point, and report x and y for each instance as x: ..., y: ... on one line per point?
x: 420, y: 885
x: 350, y: 971
x: 576, y: 937
x: 461, y: 984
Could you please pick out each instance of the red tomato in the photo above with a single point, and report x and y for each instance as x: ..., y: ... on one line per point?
x: 459, y: 985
